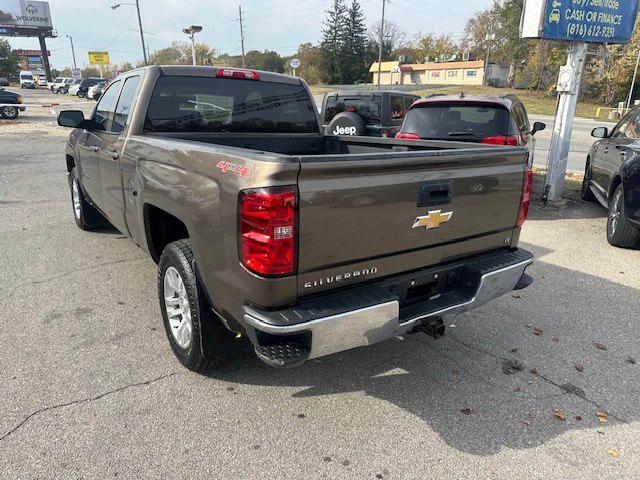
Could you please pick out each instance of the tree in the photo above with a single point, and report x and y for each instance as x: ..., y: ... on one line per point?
x: 355, y: 68
x: 432, y: 47
x: 310, y: 63
x: 333, y: 43
x: 394, y: 37
x: 179, y: 53
x: 9, y: 61
x: 268, y: 61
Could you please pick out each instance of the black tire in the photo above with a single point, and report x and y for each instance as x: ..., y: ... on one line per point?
x: 86, y: 216
x: 620, y: 231
x: 586, y: 194
x: 10, y: 113
x: 80, y: 94
x: 347, y: 123
x: 179, y: 256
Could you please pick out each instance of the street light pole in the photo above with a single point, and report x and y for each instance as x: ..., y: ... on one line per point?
x: 73, y: 52
x: 381, y: 43
x: 137, y: 5
x: 191, y: 31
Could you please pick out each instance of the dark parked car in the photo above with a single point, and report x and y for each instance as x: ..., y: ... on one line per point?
x: 375, y: 114
x: 9, y: 111
x: 499, y: 120
x: 4, y: 82
x: 612, y: 176
x: 86, y: 84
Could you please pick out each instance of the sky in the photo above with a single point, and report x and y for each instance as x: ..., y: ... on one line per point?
x: 279, y: 25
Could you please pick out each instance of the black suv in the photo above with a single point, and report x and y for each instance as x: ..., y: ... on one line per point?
x: 612, y: 177
x: 86, y: 84
x: 10, y: 112
x: 376, y: 114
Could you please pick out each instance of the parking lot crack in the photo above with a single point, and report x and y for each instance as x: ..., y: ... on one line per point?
x: 81, y: 401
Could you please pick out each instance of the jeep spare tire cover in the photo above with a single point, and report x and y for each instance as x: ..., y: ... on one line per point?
x: 347, y: 123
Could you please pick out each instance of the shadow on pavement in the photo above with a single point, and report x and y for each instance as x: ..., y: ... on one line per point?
x: 492, y: 382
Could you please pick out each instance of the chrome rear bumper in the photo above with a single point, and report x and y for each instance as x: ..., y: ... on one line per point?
x: 382, y: 321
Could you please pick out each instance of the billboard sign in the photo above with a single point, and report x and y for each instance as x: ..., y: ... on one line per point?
x: 24, y: 17
x: 596, y: 21
x: 99, y: 58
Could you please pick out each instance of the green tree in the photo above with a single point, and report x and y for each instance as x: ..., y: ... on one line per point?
x: 9, y: 61
x: 310, y: 63
x: 433, y: 46
x: 355, y: 44
x: 267, y: 61
x: 333, y: 43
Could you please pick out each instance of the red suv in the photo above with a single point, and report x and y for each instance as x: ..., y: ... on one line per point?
x: 499, y: 120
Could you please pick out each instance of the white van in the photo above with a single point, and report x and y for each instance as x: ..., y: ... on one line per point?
x: 26, y: 79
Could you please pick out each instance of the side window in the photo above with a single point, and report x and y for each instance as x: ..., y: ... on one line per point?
x: 633, y: 130
x: 123, y: 109
x: 620, y: 131
x: 408, y: 101
x: 106, y: 105
x: 397, y: 107
x: 523, y: 124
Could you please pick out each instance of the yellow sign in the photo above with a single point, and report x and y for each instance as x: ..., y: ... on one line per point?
x: 99, y: 58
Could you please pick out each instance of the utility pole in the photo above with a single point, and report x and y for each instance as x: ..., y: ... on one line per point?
x: 633, y: 83
x: 384, y: 2
x: 241, y: 36
x: 568, y: 90
x: 73, y: 52
x: 144, y: 49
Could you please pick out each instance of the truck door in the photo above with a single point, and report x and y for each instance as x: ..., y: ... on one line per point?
x: 619, y: 151
x: 110, y: 155
x: 91, y: 143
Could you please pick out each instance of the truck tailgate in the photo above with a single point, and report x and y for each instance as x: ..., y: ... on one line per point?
x: 362, y: 208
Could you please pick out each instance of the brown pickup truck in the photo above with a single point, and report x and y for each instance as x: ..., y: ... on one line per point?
x: 264, y: 227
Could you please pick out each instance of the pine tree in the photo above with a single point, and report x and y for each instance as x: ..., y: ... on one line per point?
x: 355, y: 68
x: 333, y: 43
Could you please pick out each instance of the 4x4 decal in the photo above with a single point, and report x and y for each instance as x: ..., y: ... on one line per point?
x: 236, y: 169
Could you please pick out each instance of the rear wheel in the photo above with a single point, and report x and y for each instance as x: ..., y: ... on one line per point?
x: 10, y: 113
x: 620, y: 231
x: 586, y: 194
x: 186, y: 312
x: 85, y: 214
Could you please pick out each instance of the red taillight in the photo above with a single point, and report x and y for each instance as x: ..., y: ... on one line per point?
x: 526, y: 198
x: 512, y: 140
x: 268, y: 231
x: 237, y: 73
x: 407, y: 136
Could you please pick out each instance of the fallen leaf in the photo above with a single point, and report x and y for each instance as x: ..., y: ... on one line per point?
x: 527, y: 325
x: 558, y: 414
x: 468, y: 411
x: 556, y: 339
x: 613, y: 453
x: 515, y: 295
x: 537, y: 331
x: 578, y: 418
x: 579, y: 367
x: 534, y: 371
x: 602, y: 416
x: 455, y: 371
x: 631, y: 361
x: 599, y: 346
x: 517, y: 390
x: 514, y: 350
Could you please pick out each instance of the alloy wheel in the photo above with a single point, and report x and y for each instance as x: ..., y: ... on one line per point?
x: 178, y: 308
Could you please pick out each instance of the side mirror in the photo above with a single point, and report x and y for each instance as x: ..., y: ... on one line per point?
x: 600, y: 132
x: 538, y: 127
x: 72, y: 119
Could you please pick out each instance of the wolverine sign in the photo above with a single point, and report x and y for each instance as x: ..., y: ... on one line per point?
x: 25, y: 18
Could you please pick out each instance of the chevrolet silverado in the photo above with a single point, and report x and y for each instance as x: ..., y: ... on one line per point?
x: 264, y: 227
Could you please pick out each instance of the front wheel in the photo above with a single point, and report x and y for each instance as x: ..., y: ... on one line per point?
x: 586, y: 194
x: 85, y: 214
x: 620, y: 231
x: 186, y: 312
x: 10, y: 113
x: 80, y: 94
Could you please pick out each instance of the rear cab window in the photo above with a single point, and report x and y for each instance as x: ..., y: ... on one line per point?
x: 369, y: 107
x: 459, y: 121
x: 207, y: 104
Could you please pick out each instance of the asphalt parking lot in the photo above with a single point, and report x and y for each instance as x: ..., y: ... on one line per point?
x: 90, y: 388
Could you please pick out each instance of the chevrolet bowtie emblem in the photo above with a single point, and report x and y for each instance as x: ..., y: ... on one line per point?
x: 434, y: 219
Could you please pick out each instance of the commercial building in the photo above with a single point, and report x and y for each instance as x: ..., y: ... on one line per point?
x: 30, y: 59
x: 439, y: 73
